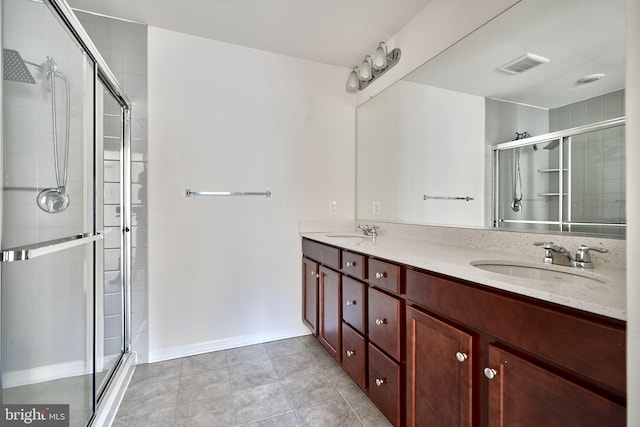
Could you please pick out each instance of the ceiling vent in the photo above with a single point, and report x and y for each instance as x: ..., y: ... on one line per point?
x: 523, y: 63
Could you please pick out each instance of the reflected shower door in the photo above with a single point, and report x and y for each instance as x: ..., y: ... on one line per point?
x: 110, y: 307
x: 47, y: 202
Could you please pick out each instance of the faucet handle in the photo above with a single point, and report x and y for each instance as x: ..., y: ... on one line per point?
x: 548, y: 256
x: 585, y: 248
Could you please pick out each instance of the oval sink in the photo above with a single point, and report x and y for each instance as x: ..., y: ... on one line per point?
x: 547, y: 274
x: 347, y: 238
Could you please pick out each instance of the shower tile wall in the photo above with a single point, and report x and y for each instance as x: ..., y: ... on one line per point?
x: 597, y: 159
x: 123, y: 45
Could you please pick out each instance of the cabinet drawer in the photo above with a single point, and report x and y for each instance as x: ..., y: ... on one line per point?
x: 353, y: 264
x: 354, y: 355
x: 590, y: 346
x: 384, y: 384
x: 384, y: 321
x: 384, y: 275
x: 353, y: 303
x: 324, y: 254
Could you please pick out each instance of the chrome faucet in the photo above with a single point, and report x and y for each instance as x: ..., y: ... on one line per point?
x: 555, y: 254
x: 369, y: 231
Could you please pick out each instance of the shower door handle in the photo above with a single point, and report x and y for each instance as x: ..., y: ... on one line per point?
x: 24, y: 253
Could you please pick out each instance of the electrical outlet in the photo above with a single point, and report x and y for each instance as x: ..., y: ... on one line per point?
x: 376, y: 208
x: 333, y: 207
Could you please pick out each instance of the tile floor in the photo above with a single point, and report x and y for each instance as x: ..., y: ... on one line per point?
x: 292, y: 382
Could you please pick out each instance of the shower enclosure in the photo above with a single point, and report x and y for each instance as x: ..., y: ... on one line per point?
x: 65, y: 215
x: 570, y: 180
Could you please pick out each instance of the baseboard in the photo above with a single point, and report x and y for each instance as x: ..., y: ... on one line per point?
x: 225, y: 343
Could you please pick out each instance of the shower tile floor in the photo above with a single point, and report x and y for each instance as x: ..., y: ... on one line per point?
x: 292, y: 382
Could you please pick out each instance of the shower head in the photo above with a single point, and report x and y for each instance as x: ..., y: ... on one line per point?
x: 14, y: 67
x: 553, y: 144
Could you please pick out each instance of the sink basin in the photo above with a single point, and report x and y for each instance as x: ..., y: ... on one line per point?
x: 535, y: 272
x: 347, y: 238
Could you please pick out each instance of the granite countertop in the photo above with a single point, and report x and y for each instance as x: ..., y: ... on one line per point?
x: 607, y: 297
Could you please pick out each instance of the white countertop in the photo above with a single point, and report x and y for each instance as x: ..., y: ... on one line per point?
x: 607, y: 299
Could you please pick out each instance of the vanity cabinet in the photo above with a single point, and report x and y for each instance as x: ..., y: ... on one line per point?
x: 513, y: 360
x: 433, y: 350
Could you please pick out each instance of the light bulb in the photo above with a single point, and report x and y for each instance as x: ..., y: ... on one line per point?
x: 379, y: 61
x: 365, y: 69
x: 353, y: 82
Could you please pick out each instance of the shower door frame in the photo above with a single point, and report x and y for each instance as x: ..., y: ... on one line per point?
x: 103, y: 73
x: 564, y: 137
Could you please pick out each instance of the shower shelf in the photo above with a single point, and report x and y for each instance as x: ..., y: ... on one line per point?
x: 24, y: 253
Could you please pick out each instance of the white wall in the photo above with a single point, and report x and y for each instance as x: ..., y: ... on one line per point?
x: 226, y: 271
x: 407, y: 136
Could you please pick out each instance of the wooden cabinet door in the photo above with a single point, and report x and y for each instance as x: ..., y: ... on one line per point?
x: 524, y: 394
x: 353, y: 303
x: 439, y: 373
x: 354, y: 355
x: 330, y: 315
x: 384, y: 322
x: 385, y: 385
x: 310, y: 277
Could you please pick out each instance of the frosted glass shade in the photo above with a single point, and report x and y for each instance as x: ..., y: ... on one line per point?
x: 379, y: 61
x: 365, y: 69
x: 353, y: 82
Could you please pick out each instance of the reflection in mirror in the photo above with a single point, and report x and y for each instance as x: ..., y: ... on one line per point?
x: 424, y: 145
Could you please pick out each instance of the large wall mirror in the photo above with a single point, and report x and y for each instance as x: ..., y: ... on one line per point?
x: 425, y: 145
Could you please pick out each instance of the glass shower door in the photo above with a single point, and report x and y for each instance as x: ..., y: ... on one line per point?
x: 49, y: 240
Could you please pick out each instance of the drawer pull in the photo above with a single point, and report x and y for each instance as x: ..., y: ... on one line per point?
x: 461, y: 356
x: 349, y: 302
x: 351, y: 264
x: 350, y: 353
x: 490, y: 373
x: 381, y: 322
x: 380, y: 381
x: 381, y: 275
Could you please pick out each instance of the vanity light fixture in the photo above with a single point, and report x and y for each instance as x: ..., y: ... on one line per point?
x: 372, y: 67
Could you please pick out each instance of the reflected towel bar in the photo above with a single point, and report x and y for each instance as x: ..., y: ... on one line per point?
x: 465, y: 198
x: 189, y: 193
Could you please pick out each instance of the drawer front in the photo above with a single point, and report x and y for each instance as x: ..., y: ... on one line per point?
x: 354, y: 355
x: 591, y: 346
x: 324, y: 254
x: 384, y: 275
x: 354, y: 264
x: 384, y: 384
x: 384, y: 321
x: 353, y: 303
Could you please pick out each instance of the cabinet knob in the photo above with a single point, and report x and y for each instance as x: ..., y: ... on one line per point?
x: 461, y: 356
x: 380, y: 381
x: 313, y: 273
x: 350, y: 353
x: 380, y: 322
x: 351, y: 264
x: 381, y: 275
x: 490, y: 373
x: 349, y: 302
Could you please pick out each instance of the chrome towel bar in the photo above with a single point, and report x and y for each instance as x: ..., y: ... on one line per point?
x: 24, y: 253
x: 189, y: 193
x: 465, y: 198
